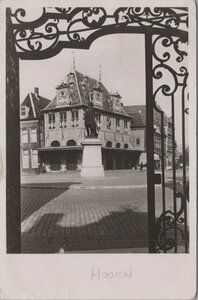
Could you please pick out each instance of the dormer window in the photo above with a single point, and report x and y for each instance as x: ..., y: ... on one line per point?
x: 97, y: 98
x: 115, y: 102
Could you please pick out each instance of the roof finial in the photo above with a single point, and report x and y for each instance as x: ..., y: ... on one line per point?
x: 100, y: 74
x: 73, y: 61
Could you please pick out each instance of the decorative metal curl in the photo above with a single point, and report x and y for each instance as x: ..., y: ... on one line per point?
x: 161, y: 17
x: 94, y: 17
x: 166, y: 224
x: 95, y: 22
x: 35, y: 40
x: 163, y: 59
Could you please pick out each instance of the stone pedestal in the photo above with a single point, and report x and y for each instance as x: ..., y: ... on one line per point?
x: 92, y: 158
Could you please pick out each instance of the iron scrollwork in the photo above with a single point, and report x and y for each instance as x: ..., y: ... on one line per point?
x: 66, y: 27
x: 165, y: 234
x: 170, y: 73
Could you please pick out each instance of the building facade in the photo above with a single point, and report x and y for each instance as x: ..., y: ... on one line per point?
x: 52, y: 132
x: 138, y: 115
x: 65, y: 128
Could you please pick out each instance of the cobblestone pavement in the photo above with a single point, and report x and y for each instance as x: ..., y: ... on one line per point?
x: 57, y: 217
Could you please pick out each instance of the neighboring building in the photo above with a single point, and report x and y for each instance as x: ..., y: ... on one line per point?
x: 138, y: 113
x: 169, y: 143
x: 32, y: 130
x: 65, y: 128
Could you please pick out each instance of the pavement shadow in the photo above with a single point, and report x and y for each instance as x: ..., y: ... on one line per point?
x: 34, y: 196
x: 126, y: 229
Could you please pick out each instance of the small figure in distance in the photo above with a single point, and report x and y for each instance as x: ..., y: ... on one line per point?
x: 90, y: 121
x: 141, y: 166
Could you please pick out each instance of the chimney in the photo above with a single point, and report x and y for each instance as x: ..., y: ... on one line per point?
x: 36, y: 91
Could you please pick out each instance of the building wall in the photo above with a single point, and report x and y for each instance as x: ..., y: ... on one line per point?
x: 30, y: 142
x: 75, y: 130
x: 138, y: 139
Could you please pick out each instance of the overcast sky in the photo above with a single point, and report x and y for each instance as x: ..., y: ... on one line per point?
x: 122, y: 60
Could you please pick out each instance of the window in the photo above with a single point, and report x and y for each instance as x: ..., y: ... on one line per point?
x: 74, y: 115
x: 51, y: 120
x: 109, y: 144
x: 34, y: 158
x: 118, y: 145
x: 108, y: 122
x: 138, y: 142
x: 24, y: 112
x: 25, y: 159
x: 98, y: 118
x: 71, y: 143
x: 126, y: 146
x: 125, y: 124
x: 63, y: 119
x: 24, y: 136
x: 117, y: 122
x: 33, y: 135
x: 55, y: 144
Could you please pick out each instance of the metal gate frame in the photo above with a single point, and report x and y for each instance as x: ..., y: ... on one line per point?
x: 26, y: 40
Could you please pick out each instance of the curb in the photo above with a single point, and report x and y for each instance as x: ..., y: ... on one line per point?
x: 81, y: 187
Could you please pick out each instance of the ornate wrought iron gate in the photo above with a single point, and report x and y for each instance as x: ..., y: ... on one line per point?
x: 45, y: 37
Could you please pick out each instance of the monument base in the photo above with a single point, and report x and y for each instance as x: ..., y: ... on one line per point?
x: 92, y: 158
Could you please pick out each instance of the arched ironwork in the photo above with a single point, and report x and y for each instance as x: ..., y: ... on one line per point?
x: 45, y: 37
x: 66, y: 27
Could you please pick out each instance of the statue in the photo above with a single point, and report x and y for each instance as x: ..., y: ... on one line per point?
x: 90, y: 121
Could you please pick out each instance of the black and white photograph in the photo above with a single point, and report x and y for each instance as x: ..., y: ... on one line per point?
x: 100, y: 135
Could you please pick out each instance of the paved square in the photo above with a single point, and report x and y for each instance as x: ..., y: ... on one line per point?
x: 65, y: 213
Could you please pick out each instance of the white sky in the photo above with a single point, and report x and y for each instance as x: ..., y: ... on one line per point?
x: 117, y: 54
x: 122, y: 57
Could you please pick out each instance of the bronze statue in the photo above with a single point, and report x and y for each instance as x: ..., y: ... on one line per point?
x: 90, y: 121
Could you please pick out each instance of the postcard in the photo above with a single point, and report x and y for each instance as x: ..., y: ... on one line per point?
x: 98, y: 150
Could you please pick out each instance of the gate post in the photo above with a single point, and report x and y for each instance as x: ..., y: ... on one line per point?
x: 150, y: 143
x: 13, y: 214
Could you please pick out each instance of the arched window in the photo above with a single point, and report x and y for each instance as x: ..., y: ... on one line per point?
x: 71, y: 143
x: 109, y: 144
x: 126, y: 146
x: 118, y: 145
x: 55, y: 144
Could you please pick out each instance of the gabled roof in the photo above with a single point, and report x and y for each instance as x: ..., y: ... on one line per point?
x: 136, y: 120
x: 39, y: 103
x: 141, y: 109
x: 80, y: 94
x: 138, y: 114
